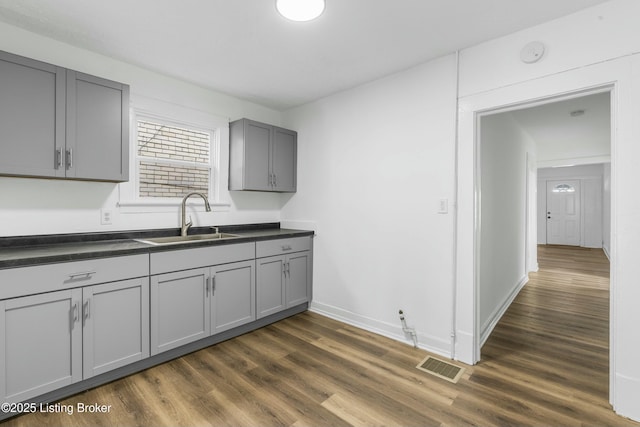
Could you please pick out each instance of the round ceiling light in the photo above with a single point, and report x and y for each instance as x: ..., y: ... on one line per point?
x: 300, y: 10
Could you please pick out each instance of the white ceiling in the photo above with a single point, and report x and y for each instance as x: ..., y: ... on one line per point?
x: 562, y: 137
x: 245, y: 49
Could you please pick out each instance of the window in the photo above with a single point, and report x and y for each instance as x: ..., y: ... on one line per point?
x: 564, y: 188
x: 173, y: 150
x: 172, y: 160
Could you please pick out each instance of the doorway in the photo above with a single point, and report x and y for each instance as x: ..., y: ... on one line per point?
x: 509, y: 140
x: 614, y: 77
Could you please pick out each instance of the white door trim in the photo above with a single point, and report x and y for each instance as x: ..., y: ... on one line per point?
x: 602, y: 77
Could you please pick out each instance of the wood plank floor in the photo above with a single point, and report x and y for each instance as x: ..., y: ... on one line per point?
x: 545, y: 364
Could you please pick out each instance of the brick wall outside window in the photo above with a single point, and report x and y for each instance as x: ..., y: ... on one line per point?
x: 172, y: 161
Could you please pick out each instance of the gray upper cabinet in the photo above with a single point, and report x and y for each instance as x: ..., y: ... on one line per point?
x: 284, y: 159
x: 97, y: 128
x: 32, y: 118
x: 59, y: 123
x: 262, y: 157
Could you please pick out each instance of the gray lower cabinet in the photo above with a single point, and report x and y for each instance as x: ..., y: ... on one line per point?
x: 283, y: 281
x: 54, y: 339
x: 40, y: 344
x: 115, y: 319
x: 193, y: 304
x: 232, y: 295
x: 179, y: 309
x: 262, y: 157
x: 59, y: 123
x: 270, y: 285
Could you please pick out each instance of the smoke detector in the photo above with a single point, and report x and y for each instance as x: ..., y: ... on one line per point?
x: 532, y: 52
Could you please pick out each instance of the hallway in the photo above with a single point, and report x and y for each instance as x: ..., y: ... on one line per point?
x: 553, y: 343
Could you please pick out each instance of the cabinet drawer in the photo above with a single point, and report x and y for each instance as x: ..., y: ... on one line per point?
x: 282, y: 246
x: 22, y: 281
x: 184, y: 259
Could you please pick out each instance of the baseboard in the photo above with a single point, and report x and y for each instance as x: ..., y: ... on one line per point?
x: 626, y: 401
x: 605, y: 249
x: 495, y: 317
x: 465, y: 351
x: 425, y: 342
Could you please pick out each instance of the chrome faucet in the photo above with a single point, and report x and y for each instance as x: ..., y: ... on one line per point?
x: 184, y: 226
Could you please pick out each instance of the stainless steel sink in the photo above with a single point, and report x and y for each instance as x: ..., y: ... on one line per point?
x: 173, y: 240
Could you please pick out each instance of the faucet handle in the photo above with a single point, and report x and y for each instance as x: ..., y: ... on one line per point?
x: 190, y: 223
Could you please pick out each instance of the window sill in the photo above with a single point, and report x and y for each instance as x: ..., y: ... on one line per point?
x: 150, y: 206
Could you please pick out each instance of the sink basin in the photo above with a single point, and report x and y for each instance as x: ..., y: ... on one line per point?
x: 172, y: 240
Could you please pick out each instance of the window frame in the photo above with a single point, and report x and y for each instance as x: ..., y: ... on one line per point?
x: 181, y: 163
x: 178, y: 116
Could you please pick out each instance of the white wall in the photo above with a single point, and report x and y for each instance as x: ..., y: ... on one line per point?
x: 374, y: 163
x: 38, y: 206
x: 591, y: 201
x: 504, y: 150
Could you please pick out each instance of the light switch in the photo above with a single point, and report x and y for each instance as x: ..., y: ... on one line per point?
x: 444, y: 206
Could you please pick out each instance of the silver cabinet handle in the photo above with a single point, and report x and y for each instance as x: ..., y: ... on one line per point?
x: 206, y: 286
x: 275, y: 180
x: 286, y: 247
x: 85, y: 310
x: 74, y: 315
x: 69, y: 158
x: 84, y: 275
x: 213, y: 285
x: 58, y: 160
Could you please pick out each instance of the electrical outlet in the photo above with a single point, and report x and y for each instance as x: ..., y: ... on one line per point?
x: 106, y: 216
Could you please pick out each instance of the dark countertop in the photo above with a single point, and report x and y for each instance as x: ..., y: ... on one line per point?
x: 46, y: 249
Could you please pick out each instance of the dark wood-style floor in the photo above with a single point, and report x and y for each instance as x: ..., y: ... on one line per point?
x: 546, y: 364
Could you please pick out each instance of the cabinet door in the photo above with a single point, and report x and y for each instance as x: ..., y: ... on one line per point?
x: 298, y: 273
x: 97, y: 128
x: 179, y: 309
x: 257, y: 143
x: 270, y: 285
x: 40, y: 344
x: 284, y: 159
x: 32, y: 125
x: 116, y: 325
x: 232, y: 295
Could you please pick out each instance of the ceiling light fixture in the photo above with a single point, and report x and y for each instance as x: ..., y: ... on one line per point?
x: 300, y: 10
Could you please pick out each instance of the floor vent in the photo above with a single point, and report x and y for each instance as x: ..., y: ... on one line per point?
x: 442, y: 369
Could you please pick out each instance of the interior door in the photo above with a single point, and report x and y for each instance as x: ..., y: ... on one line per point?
x: 563, y: 212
